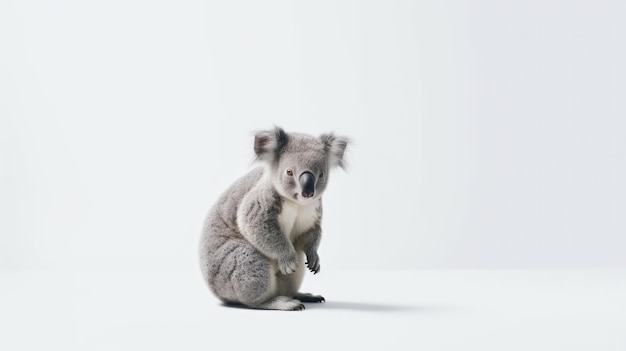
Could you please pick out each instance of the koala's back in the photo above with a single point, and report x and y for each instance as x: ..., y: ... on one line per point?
x: 222, y: 218
x: 220, y: 233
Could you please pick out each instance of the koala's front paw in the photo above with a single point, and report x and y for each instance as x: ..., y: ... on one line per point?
x: 313, y: 262
x: 287, y: 264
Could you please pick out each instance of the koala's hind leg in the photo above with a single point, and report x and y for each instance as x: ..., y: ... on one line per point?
x: 306, y: 297
x: 253, y: 280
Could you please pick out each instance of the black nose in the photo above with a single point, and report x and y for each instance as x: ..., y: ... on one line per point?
x: 307, y: 183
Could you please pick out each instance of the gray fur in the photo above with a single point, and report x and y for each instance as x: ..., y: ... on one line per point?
x: 256, y: 237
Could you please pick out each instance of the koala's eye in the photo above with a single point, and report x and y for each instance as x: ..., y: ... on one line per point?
x: 321, y: 174
x: 290, y: 172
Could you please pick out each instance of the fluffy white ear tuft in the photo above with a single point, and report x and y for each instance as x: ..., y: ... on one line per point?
x: 336, y: 147
x: 268, y: 144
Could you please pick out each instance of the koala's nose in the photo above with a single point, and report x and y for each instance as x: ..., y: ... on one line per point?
x: 307, y: 183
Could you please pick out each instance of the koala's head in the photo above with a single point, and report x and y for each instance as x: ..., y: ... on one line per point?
x: 299, y: 164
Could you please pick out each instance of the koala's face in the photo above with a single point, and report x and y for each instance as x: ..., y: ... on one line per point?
x: 299, y: 164
x: 302, y: 169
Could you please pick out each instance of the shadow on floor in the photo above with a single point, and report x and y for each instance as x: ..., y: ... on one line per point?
x: 358, y: 306
x: 370, y: 307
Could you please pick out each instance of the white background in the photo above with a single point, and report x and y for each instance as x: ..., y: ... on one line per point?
x: 487, y: 134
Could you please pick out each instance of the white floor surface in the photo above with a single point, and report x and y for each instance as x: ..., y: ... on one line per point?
x: 365, y: 310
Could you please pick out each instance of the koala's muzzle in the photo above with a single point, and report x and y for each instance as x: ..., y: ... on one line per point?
x: 307, y: 183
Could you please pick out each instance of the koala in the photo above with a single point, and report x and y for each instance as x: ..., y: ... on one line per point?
x: 257, y: 236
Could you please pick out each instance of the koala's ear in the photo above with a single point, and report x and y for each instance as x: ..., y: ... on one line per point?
x: 269, y: 144
x: 335, y: 147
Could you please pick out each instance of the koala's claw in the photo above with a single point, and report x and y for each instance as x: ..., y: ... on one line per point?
x: 287, y: 265
x: 314, y: 268
x: 313, y: 263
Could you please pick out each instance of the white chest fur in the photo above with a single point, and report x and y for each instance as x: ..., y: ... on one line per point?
x: 295, y: 219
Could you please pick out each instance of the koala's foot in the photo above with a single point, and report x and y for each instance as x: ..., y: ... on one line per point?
x: 281, y: 303
x: 306, y: 297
